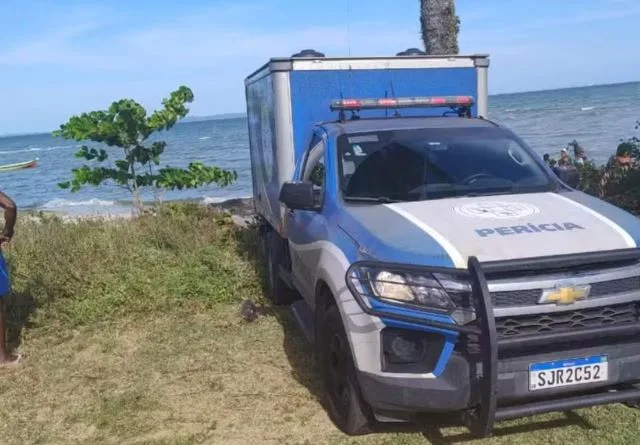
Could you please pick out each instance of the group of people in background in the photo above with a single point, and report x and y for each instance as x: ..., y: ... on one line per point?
x: 622, y: 159
x: 566, y: 161
x: 567, y: 167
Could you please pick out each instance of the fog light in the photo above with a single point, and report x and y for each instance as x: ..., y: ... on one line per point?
x: 409, y: 351
x: 406, y: 347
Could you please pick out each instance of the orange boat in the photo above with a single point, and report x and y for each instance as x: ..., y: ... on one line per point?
x: 19, y: 165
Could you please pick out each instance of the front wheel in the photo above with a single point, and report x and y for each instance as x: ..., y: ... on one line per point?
x: 632, y: 403
x: 347, y: 408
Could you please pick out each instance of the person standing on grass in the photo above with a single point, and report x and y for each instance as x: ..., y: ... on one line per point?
x: 10, y: 213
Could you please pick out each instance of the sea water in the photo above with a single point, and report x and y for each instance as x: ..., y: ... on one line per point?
x: 596, y: 116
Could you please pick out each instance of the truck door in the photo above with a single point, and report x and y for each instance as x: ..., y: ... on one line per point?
x: 306, y: 227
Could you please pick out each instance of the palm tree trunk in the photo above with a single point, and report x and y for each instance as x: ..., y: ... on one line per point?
x: 440, y: 26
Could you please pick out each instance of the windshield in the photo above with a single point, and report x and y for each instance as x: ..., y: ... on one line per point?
x: 413, y: 165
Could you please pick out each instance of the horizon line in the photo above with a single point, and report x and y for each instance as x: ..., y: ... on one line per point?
x: 239, y: 114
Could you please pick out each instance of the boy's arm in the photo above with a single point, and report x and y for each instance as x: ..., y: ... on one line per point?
x: 10, y: 212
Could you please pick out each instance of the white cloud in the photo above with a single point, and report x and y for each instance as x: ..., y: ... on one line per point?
x: 590, y: 16
x: 522, y: 27
x: 213, y: 49
x: 53, y: 47
x: 185, y: 45
x: 212, y: 36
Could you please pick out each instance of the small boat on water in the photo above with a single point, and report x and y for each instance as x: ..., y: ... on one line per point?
x: 19, y: 165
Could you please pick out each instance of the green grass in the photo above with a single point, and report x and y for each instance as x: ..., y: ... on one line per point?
x: 103, y: 270
x: 131, y: 334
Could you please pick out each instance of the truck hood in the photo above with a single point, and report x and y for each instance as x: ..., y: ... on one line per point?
x: 446, y: 232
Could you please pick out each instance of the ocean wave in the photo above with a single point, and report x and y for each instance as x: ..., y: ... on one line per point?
x: 587, y: 108
x: 26, y: 150
x: 59, y: 203
x: 204, y: 138
x: 218, y: 199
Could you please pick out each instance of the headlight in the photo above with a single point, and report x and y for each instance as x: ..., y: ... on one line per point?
x: 442, y: 292
x: 424, y: 289
x: 393, y: 286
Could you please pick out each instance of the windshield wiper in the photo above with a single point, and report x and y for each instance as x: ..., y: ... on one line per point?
x: 473, y: 194
x: 512, y: 190
x: 377, y: 199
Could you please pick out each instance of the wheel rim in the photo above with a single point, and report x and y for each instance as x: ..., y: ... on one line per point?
x: 337, y: 373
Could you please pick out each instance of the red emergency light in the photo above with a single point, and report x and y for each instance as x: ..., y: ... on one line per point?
x: 401, y: 102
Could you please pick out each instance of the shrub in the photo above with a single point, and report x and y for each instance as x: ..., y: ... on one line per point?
x: 93, y: 270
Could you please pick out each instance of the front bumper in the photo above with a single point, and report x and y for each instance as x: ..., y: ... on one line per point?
x: 491, y: 382
x: 458, y: 387
x: 449, y: 392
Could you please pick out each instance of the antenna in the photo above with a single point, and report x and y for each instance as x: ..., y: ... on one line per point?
x: 386, y: 110
x: 396, y: 113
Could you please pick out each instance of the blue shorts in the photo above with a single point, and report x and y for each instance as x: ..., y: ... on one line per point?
x: 5, y: 282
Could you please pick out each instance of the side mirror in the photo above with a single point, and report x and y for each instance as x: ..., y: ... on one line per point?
x: 298, y: 195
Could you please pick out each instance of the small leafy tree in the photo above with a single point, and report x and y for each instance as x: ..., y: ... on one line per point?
x: 126, y: 125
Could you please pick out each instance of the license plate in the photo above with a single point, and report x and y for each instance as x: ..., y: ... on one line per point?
x: 578, y: 371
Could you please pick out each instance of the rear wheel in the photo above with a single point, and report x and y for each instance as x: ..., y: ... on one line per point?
x: 347, y: 408
x: 276, y: 288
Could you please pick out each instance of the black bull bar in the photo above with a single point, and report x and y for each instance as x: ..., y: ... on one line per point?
x: 482, y: 418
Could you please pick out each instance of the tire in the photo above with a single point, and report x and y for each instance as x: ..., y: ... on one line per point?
x: 277, y: 290
x: 635, y: 404
x: 347, y: 408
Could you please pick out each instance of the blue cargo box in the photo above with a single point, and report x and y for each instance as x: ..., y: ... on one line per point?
x: 286, y: 97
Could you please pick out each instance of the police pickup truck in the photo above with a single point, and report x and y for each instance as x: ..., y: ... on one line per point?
x: 434, y: 261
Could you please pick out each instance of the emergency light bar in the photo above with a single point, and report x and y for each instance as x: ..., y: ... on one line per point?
x: 402, y: 102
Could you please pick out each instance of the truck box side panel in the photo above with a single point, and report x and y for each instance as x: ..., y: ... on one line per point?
x: 313, y: 91
x: 262, y: 145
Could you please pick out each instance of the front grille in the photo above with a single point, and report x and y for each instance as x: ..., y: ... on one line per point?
x: 605, y: 288
x: 558, y: 322
x: 516, y: 297
x: 530, y: 297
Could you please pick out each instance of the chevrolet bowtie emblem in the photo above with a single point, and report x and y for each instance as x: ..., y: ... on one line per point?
x: 565, y: 295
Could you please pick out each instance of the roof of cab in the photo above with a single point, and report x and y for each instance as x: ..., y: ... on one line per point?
x: 405, y: 123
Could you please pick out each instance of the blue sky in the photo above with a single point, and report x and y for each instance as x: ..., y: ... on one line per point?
x: 63, y: 57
